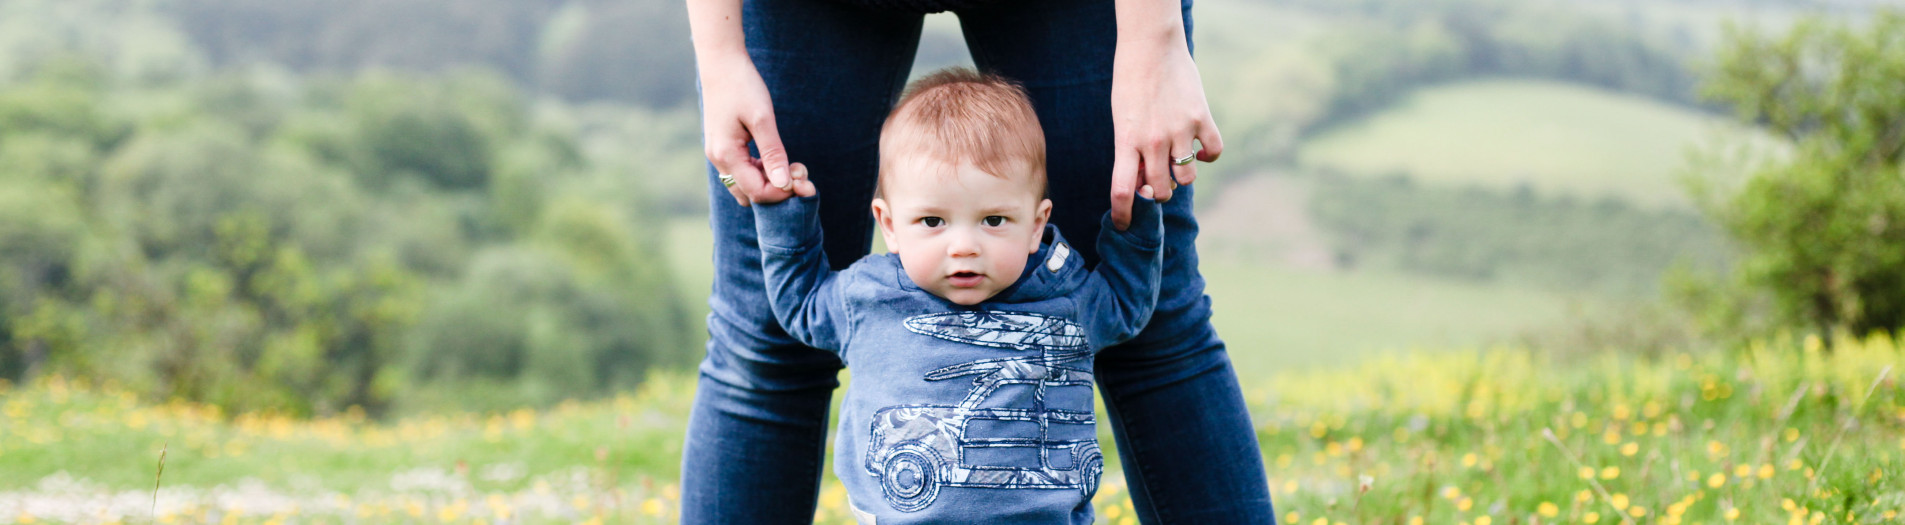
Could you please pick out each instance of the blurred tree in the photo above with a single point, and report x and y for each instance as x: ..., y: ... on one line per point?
x: 1824, y: 227
x: 260, y: 242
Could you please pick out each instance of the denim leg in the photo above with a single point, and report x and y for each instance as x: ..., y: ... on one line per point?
x: 1190, y: 451
x: 757, y: 431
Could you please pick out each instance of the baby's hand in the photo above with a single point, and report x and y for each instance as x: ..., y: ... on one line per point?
x: 1143, y: 191
x: 802, y: 185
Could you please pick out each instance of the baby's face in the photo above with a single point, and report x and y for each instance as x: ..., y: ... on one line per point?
x: 963, y: 236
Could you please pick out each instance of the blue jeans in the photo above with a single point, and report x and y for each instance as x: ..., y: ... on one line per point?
x: 758, y: 429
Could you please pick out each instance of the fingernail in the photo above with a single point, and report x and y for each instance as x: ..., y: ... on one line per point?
x: 781, y: 174
x: 800, y: 172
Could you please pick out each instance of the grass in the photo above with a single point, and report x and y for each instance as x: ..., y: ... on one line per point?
x: 1275, y: 317
x: 1555, y: 137
x: 1770, y: 433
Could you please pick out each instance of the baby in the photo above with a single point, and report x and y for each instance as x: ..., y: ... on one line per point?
x: 971, y: 343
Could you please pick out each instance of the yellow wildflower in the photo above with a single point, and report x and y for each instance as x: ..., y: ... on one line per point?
x: 1619, y: 501
x: 1591, y: 517
x: 1732, y: 513
x: 1716, y: 480
x: 1630, y: 448
x: 1548, y: 510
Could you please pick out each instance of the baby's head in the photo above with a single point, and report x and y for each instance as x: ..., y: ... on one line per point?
x: 962, y: 184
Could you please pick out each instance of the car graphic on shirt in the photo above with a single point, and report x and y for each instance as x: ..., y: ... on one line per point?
x: 1026, y: 424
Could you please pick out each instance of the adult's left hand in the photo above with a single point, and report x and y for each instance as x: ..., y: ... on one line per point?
x: 1157, y: 108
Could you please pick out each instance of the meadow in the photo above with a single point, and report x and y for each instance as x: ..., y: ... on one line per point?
x: 1788, y: 432
x: 1554, y: 137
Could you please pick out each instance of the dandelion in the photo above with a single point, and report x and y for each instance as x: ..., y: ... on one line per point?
x: 1716, y: 480
x: 1468, y: 460
x: 1591, y: 517
x: 1548, y: 510
x: 1791, y: 434
x: 1630, y: 449
x: 1292, y: 517
x: 652, y: 507
x: 1584, y: 496
x: 1619, y: 501
x: 1321, y: 521
x: 1415, y: 520
x: 1732, y: 513
x: 1587, y: 472
x: 1637, y: 511
x: 1484, y: 520
x: 1788, y: 505
x: 1465, y: 504
x: 1766, y: 471
x: 1610, y: 472
x: 1451, y: 492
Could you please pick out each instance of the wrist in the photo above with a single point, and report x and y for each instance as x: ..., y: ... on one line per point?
x: 718, y: 57
x: 1150, y: 24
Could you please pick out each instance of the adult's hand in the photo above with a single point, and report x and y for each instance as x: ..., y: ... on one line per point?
x: 1157, y: 105
x: 735, y: 106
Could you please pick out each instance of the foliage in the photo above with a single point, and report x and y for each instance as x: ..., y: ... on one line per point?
x: 1821, y: 228
x: 1778, y: 431
x: 631, y: 51
x: 1407, y: 44
x: 261, y: 242
x: 1513, y: 236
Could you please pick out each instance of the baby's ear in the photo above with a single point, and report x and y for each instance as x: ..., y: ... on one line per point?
x: 883, y: 219
x: 1039, y: 217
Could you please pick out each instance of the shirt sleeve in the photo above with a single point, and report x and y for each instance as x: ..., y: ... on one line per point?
x: 805, y: 294
x: 1120, y: 294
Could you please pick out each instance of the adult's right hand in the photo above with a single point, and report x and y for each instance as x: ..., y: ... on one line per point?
x: 736, y: 110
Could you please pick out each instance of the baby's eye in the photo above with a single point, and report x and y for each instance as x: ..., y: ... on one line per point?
x: 994, y: 220
x: 932, y: 222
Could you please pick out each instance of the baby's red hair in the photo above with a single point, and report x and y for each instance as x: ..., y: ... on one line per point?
x: 958, y: 115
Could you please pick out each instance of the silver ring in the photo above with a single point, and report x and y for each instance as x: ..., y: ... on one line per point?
x: 1180, y: 161
x: 726, y: 180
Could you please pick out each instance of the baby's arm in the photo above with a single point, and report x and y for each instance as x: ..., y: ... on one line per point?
x: 1120, y: 294
x: 801, y: 288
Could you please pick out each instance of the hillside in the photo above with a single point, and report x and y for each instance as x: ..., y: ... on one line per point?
x: 1553, y: 136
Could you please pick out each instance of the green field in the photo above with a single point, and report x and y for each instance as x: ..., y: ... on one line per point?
x: 1275, y: 318
x: 1556, y: 137
x: 1778, y: 432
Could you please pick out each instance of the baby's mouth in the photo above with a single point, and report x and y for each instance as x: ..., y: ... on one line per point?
x: 965, y: 279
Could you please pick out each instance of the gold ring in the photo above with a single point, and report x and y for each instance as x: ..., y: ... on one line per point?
x: 1184, y: 159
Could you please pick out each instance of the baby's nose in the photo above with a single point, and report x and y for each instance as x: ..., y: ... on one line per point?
x: 963, y: 245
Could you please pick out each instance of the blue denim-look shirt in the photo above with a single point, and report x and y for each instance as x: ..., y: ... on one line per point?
x: 957, y: 413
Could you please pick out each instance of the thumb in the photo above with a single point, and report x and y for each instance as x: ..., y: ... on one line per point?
x: 767, y: 139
